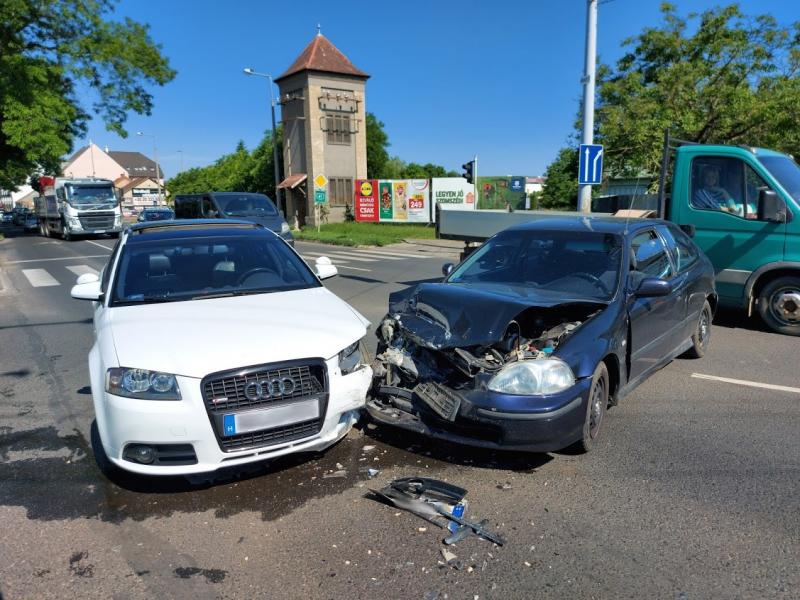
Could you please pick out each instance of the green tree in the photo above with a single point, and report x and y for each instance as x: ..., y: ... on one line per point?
x: 426, y: 171
x: 377, y: 143
x: 49, y: 49
x: 561, y: 190
x: 714, y: 77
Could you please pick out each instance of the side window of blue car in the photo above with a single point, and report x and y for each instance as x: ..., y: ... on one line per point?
x: 681, y: 248
x: 651, y: 255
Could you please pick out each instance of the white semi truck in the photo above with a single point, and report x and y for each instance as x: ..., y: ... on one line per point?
x: 73, y: 207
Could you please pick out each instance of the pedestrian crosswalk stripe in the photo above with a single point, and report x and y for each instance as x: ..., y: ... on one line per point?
x: 39, y: 278
x: 337, y: 263
x: 82, y: 270
x: 341, y: 256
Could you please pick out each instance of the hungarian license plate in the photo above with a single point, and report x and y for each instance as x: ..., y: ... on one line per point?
x: 270, y: 417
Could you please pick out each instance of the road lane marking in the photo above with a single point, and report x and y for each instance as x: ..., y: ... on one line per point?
x: 755, y: 384
x: 99, y: 244
x: 341, y: 256
x: 391, y: 255
x: 36, y: 260
x: 338, y: 265
x: 39, y: 278
x: 82, y: 270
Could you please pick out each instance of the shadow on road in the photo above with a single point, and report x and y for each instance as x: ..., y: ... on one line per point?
x: 731, y: 318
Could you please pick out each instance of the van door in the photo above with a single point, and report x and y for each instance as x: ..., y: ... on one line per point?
x: 722, y: 205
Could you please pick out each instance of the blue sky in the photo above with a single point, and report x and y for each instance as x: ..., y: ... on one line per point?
x: 449, y: 79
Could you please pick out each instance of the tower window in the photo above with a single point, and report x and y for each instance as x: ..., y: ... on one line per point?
x: 338, y: 128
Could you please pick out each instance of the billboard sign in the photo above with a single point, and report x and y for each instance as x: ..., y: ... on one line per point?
x: 452, y: 193
x: 501, y: 192
x: 366, y: 200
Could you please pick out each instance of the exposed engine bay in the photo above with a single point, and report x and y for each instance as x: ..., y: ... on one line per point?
x: 416, y: 369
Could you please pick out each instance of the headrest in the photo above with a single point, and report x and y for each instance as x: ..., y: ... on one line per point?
x: 159, y: 264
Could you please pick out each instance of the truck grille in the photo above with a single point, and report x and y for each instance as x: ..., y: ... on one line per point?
x: 101, y: 220
x: 224, y: 393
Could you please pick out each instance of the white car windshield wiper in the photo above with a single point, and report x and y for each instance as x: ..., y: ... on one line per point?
x: 228, y: 294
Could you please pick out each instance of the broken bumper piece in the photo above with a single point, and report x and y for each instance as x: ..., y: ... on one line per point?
x: 486, y: 419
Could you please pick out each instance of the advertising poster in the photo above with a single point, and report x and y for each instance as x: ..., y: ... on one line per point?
x: 418, y: 201
x: 366, y: 200
x: 501, y: 192
x: 400, y: 191
x: 386, y: 210
x: 452, y: 193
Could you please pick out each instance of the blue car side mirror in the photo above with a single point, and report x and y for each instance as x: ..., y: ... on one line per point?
x: 653, y: 286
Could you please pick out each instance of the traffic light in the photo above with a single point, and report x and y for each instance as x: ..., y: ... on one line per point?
x: 468, y: 171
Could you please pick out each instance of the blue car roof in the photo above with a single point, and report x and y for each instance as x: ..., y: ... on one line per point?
x: 614, y: 225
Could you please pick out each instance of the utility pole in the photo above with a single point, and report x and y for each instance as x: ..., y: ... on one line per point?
x: 249, y: 71
x: 585, y: 195
x: 155, y: 156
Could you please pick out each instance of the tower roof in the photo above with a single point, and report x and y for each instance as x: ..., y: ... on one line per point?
x: 322, y: 55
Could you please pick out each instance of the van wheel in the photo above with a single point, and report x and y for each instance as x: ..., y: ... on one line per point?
x: 595, y: 409
x: 779, y: 305
x: 702, y: 333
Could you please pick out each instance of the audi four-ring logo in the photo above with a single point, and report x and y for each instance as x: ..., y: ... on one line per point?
x: 269, y: 388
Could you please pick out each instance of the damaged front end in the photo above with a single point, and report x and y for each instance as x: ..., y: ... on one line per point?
x: 478, y: 368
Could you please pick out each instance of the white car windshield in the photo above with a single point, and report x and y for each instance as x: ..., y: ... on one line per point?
x: 192, y: 268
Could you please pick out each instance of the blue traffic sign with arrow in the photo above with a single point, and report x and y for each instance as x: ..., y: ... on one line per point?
x: 590, y: 164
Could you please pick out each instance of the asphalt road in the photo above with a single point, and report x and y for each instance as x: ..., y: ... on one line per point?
x: 693, y: 492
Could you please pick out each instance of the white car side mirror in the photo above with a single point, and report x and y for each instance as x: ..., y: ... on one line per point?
x: 87, y: 278
x: 325, y: 268
x: 87, y: 288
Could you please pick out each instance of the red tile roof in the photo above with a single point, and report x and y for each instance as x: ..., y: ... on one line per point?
x: 322, y: 55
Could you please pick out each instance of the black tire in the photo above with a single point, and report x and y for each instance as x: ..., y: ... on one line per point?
x: 702, y: 333
x: 106, y: 467
x: 595, y: 409
x: 779, y: 305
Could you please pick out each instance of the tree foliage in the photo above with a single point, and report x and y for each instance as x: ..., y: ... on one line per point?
x: 561, y: 190
x: 377, y: 143
x: 240, y: 171
x: 48, y: 50
x: 714, y: 77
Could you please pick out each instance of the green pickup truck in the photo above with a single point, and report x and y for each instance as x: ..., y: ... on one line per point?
x: 742, y: 205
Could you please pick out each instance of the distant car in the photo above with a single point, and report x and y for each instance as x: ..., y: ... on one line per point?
x: 156, y: 214
x: 246, y: 206
x: 8, y: 217
x: 19, y: 216
x: 31, y: 223
x: 217, y: 345
x: 525, y: 343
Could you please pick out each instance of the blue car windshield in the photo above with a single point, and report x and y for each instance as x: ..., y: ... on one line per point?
x: 574, y: 264
x: 192, y: 268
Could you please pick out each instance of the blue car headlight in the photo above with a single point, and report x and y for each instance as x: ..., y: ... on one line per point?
x: 533, y: 377
x: 142, y: 384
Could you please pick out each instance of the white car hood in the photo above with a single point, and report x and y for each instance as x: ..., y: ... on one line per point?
x: 198, y: 337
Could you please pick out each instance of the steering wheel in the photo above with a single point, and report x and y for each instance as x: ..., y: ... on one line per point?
x: 252, y: 272
x: 592, y: 279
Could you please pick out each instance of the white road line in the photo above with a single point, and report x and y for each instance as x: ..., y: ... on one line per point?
x: 39, y: 278
x: 390, y: 255
x: 99, y: 244
x: 341, y: 256
x: 755, y: 384
x: 36, y: 260
x: 353, y: 268
x: 82, y: 270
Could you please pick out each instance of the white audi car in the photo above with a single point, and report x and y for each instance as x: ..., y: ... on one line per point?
x: 216, y: 345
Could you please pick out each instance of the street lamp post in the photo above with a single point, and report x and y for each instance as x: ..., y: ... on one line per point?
x: 155, y: 156
x: 249, y: 71
x: 181, y: 154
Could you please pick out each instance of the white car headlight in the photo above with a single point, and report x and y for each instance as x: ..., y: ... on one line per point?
x: 285, y: 227
x: 142, y: 384
x: 533, y: 377
x: 351, y: 358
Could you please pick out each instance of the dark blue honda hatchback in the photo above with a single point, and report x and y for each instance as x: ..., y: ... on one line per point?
x: 527, y: 342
